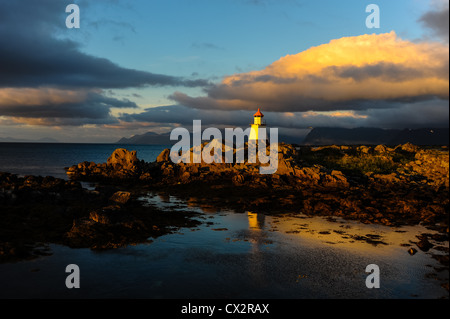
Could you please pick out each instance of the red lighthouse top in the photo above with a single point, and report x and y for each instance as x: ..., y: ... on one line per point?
x: 258, y: 114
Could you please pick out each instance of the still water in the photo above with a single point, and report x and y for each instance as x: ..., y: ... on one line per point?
x: 235, y: 255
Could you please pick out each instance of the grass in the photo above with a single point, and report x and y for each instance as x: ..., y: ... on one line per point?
x: 352, y: 161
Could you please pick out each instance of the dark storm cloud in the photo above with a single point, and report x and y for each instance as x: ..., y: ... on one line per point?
x: 59, y: 63
x: 32, y: 56
x: 46, y: 79
x: 438, y: 21
x: 396, y: 115
x: 411, y: 115
x: 389, y: 72
x: 178, y: 114
x: 93, y: 106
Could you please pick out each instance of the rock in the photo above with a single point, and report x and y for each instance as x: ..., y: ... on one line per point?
x: 285, y: 168
x: 387, y: 178
x: 164, y: 156
x: 364, y: 149
x: 337, y: 178
x: 309, y: 173
x: 339, y: 175
x: 124, y: 159
x: 424, y: 244
x: 412, y: 251
x: 121, y: 197
x: 238, y: 179
x: 442, y: 259
x: 408, y: 147
x: 106, y: 215
x: 380, y: 149
x: 167, y: 170
x: 185, y: 177
x: 146, y: 177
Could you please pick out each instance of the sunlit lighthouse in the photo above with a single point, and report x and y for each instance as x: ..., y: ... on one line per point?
x: 257, y: 124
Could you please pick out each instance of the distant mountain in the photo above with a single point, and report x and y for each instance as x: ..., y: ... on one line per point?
x: 375, y: 136
x: 152, y: 138
x: 21, y: 140
x: 149, y: 138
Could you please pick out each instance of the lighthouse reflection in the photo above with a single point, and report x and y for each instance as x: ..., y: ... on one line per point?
x: 257, y: 238
x: 255, y: 221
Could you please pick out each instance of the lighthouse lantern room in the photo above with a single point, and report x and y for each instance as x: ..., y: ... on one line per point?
x: 257, y: 123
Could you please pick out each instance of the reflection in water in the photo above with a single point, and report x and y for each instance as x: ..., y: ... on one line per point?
x: 257, y: 237
x: 325, y: 249
x: 255, y: 221
x: 247, y: 255
x: 164, y: 197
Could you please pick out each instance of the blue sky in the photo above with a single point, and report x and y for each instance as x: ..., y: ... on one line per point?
x: 204, y: 40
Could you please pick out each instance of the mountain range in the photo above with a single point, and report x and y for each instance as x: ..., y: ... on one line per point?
x: 332, y: 135
x: 21, y: 140
x: 151, y: 138
x: 375, y: 136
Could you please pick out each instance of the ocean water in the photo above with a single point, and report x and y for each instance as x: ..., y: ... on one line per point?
x: 50, y: 159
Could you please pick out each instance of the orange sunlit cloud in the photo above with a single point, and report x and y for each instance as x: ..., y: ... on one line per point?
x: 336, y: 76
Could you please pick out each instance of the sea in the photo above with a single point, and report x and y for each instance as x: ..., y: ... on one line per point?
x: 231, y: 255
x: 51, y: 159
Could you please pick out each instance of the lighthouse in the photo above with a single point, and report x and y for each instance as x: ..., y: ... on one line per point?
x: 257, y: 124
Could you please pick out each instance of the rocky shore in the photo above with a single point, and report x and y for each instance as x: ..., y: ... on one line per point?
x: 405, y: 184
x: 393, y: 186
x: 36, y: 211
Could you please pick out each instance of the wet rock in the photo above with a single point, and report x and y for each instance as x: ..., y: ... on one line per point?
x: 442, y: 259
x: 423, y: 243
x: 121, y: 197
x: 107, y: 215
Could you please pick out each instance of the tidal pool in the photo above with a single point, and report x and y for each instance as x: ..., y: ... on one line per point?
x: 242, y: 255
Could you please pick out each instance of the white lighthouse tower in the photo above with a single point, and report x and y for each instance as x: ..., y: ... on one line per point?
x: 257, y: 124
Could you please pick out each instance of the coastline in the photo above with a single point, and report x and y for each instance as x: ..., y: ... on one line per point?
x: 37, y: 211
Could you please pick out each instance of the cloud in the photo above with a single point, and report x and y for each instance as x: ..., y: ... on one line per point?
x: 437, y: 19
x: 350, y: 73
x: 49, y: 106
x: 60, y: 63
x: 34, y: 56
x: 46, y: 79
x: 425, y: 114
x: 178, y: 114
x: 428, y: 113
